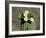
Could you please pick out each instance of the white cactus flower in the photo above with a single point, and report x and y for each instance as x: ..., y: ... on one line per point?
x: 32, y: 19
x: 26, y: 19
x: 26, y: 13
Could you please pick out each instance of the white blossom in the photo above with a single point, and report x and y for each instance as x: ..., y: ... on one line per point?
x: 26, y: 19
x: 32, y: 19
x: 26, y: 13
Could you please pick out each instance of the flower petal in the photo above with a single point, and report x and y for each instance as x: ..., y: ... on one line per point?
x: 25, y: 19
x: 26, y: 13
x: 32, y: 19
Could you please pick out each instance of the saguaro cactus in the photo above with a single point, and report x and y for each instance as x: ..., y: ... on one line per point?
x: 25, y: 18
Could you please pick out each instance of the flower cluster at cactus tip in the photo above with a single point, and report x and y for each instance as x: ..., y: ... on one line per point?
x: 26, y: 16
